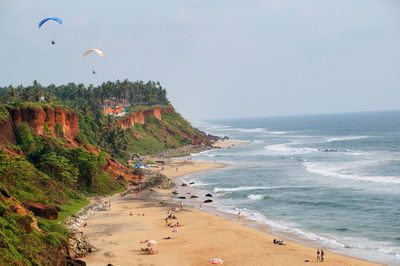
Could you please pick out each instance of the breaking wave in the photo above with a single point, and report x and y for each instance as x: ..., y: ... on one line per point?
x: 344, y: 138
x: 255, y: 197
x: 316, y: 168
x: 285, y: 149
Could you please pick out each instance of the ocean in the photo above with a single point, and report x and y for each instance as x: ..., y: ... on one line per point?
x: 330, y: 181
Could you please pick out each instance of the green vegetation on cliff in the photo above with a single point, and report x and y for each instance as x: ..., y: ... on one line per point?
x: 61, y: 160
x: 103, y: 131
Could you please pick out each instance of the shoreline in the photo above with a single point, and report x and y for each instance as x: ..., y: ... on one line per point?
x: 251, y: 223
x: 209, y: 234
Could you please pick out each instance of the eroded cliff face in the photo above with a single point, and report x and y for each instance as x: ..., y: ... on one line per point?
x: 6, y: 132
x: 140, y: 116
x: 122, y: 173
x: 36, y: 118
x: 67, y: 121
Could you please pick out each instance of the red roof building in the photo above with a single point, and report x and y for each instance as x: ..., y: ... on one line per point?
x: 108, y: 111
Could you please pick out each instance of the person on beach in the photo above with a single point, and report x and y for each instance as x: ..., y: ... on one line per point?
x: 109, y: 205
x: 239, y: 213
x: 200, y: 207
x: 177, y: 169
x: 322, y: 255
x: 318, y: 258
x: 181, y: 205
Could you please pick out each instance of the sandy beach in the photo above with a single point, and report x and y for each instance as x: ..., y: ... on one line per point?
x: 200, y: 237
x: 225, y: 144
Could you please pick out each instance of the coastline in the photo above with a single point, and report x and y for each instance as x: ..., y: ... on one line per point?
x: 203, y: 236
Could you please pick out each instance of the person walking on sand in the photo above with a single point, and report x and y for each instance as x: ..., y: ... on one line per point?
x: 177, y: 169
x: 181, y: 205
x: 109, y: 205
x: 239, y: 213
x: 318, y: 255
x: 322, y: 255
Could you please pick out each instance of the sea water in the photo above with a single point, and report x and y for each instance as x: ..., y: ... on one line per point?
x: 332, y: 180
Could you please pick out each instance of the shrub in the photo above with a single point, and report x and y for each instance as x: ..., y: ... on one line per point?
x: 59, y: 130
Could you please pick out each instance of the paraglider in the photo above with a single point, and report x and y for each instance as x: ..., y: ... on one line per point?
x: 98, y: 51
x: 94, y: 50
x: 47, y: 19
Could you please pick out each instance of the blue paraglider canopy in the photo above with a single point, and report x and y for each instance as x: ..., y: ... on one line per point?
x: 47, y: 19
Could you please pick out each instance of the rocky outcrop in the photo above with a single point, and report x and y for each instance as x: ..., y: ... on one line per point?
x: 151, y: 180
x: 78, y: 245
x: 140, y: 116
x: 36, y: 118
x: 42, y: 210
x: 121, y: 172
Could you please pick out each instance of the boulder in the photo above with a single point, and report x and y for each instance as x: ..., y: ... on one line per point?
x: 209, y: 195
x: 208, y: 201
x: 193, y: 197
x: 184, y: 184
x: 182, y: 197
x: 42, y: 210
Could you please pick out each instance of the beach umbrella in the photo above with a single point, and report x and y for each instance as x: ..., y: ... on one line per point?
x: 216, y: 261
x: 151, y: 242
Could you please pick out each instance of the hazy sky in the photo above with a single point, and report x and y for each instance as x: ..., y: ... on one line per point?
x: 216, y: 58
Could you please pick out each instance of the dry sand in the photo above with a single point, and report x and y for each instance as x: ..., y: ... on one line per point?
x: 225, y: 144
x: 202, y: 236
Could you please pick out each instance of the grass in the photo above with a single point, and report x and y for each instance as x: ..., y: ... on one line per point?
x: 3, y: 113
x: 54, y: 105
x: 71, y: 208
x: 145, y: 108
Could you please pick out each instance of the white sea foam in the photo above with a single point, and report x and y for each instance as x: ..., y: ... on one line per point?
x: 255, y: 130
x: 218, y: 189
x: 255, y: 197
x: 344, y: 138
x: 245, y: 130
x: 285, y: 149
x: 335, y: 172
x: 282, y: 227
x: 277, y: 132
x: 201, y: 185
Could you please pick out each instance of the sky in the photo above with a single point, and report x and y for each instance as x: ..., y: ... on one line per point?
x: 216, y: 58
